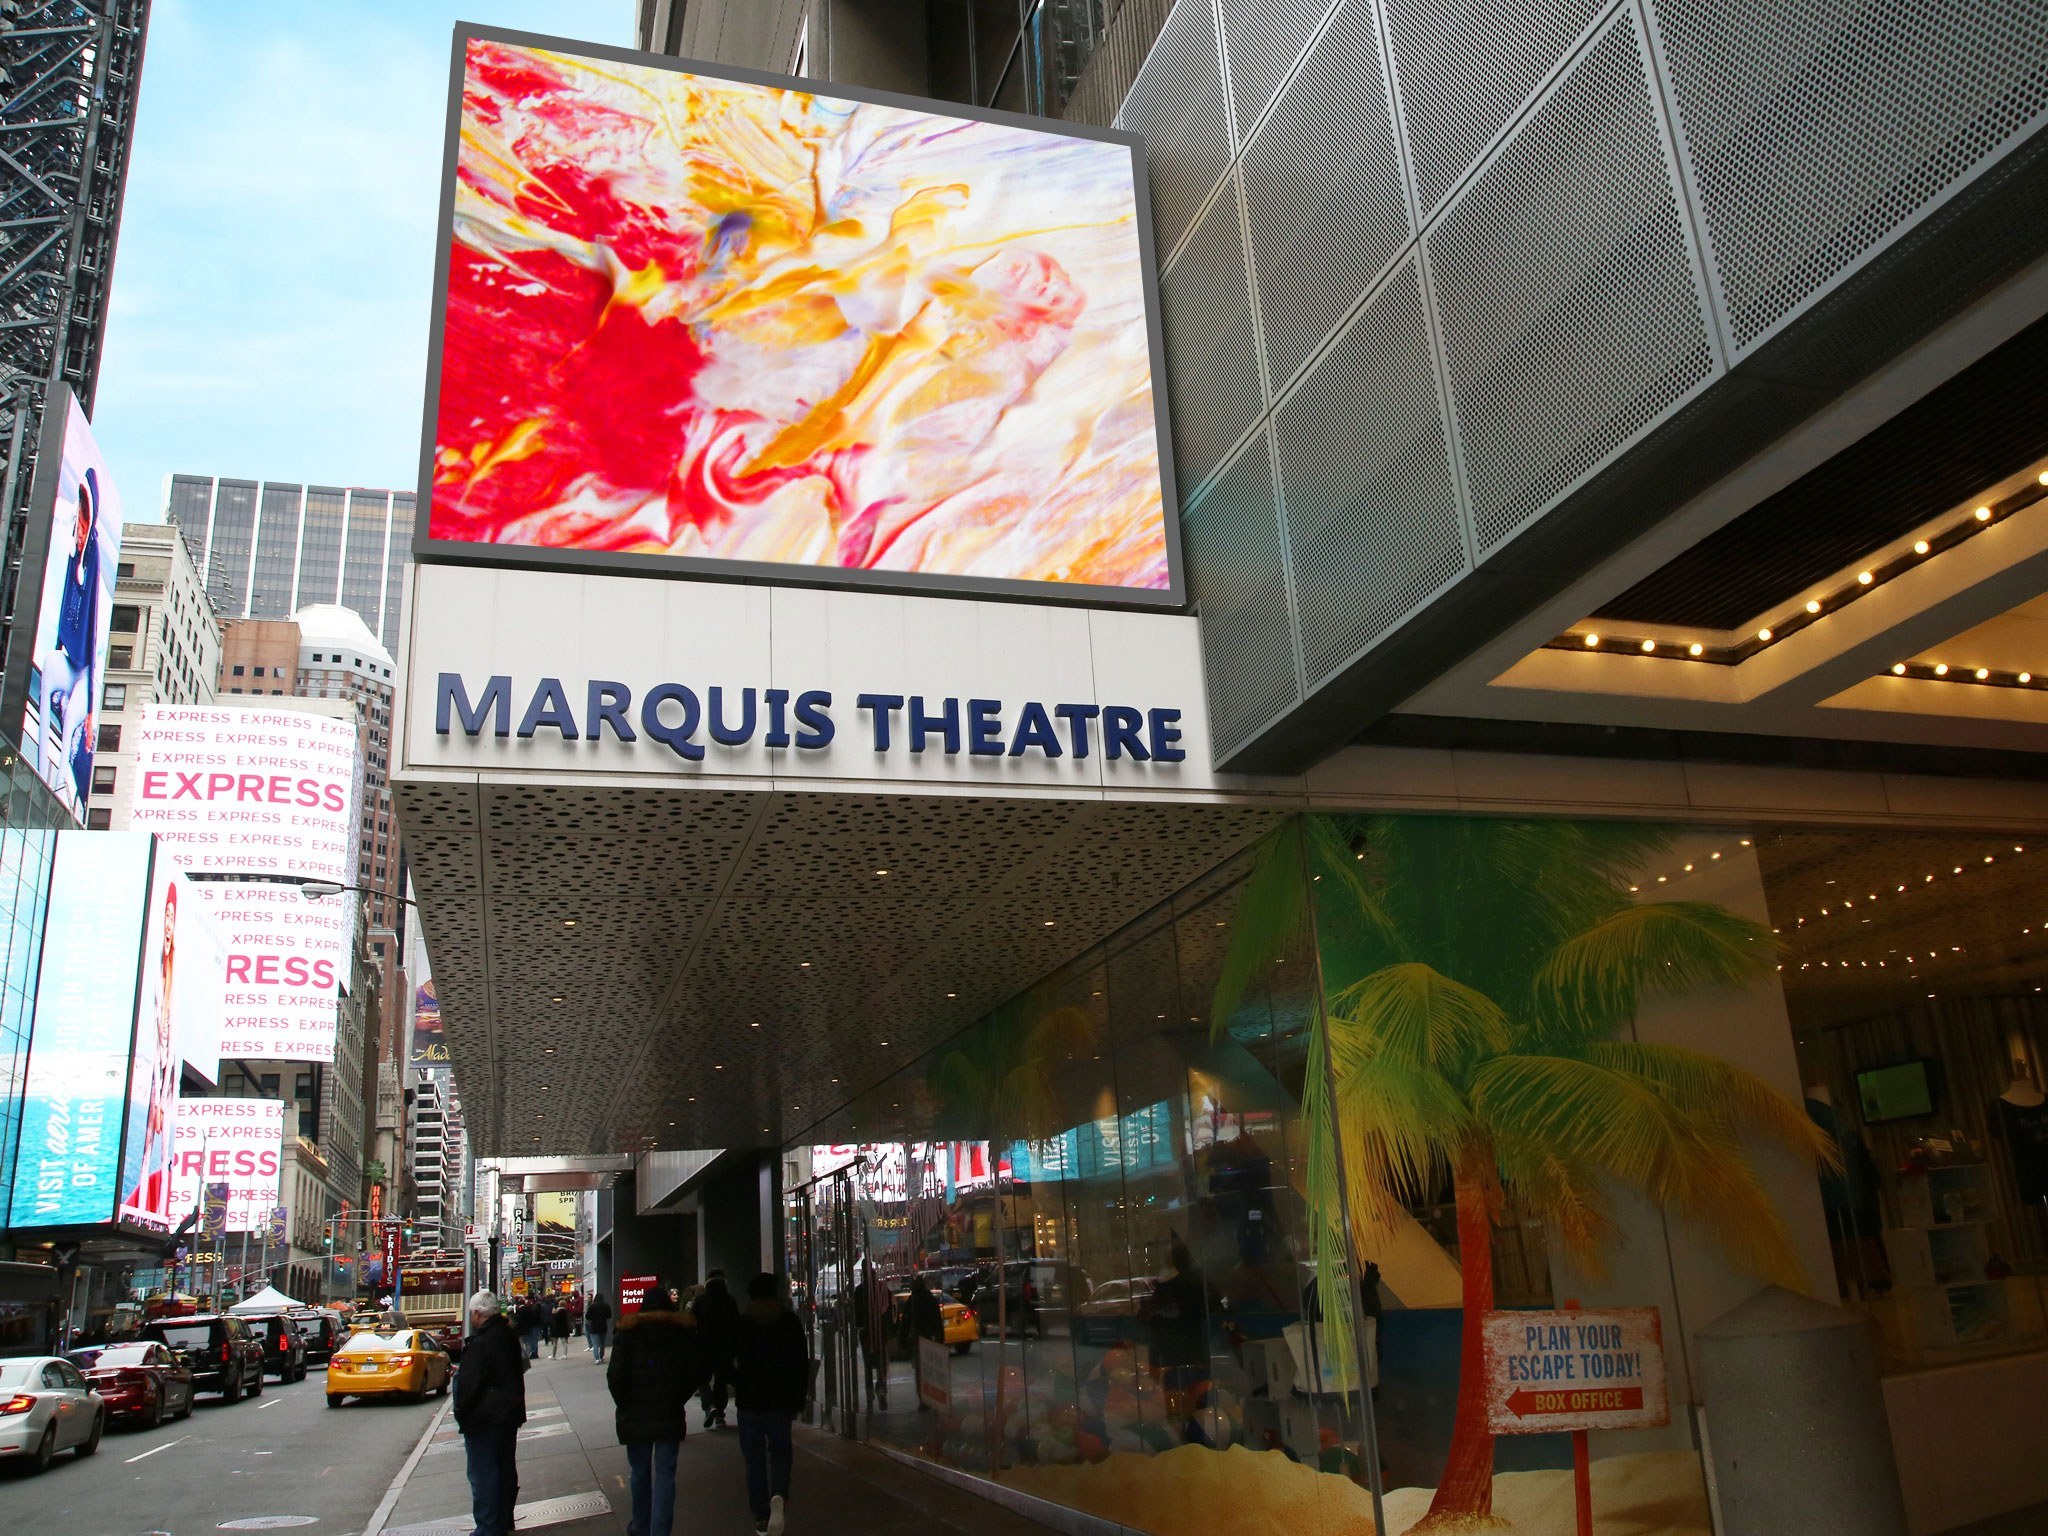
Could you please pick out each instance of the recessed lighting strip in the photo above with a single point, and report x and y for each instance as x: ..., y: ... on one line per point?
x: 1982, y: 677
x: 1816, y: 607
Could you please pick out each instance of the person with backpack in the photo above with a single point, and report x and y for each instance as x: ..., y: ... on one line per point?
x: 657, y: 1363
x: 490, y: 1405
x: 771, y: 1372
x: 597, y: 1322
x: 717, y: 1315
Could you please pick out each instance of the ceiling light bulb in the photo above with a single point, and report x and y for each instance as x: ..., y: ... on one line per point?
x: 1982, y: 673
x: 1813, y: 605
x: 1592, y: 640
x: 1921, y: 546
x: 1863, y: 578
x: 881, y: 871
x: 568, y: 922
x: 2026, y: 677
x: 1983, y: 514
x: 1649, y: 645
x: 1941, y: 669
x: 1763, y: 634
x: 1695, y: 649
x: 1899, y: 668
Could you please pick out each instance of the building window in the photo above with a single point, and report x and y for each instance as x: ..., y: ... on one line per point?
x: 126, y: 620
x: 103, y: 781
x: 120, y: 657
x: 114, y: 696
x: 110, y: 739
x: 268, y: 1083
x: 123, y: 570
x: 99, y: 818
x: 238, y: 669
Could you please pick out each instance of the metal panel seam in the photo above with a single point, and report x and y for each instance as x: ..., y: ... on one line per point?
x: 1698, y: 238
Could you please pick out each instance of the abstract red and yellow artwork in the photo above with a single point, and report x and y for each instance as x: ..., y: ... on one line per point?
x: 715, y: 320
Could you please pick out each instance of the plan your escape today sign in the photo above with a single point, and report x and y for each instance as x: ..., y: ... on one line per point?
x: 1575, y: 1370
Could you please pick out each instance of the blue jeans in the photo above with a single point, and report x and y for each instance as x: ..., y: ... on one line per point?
x: 764, y: 1442
x: 533, y: 1343
x: 652, y: 1469
x: 493, y: 1480
x: 596, y: 1337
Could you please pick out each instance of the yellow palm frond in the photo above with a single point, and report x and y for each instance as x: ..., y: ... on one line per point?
x: 1413, y: 1013
x: 1596, y: 979
x: 1706, y: 1088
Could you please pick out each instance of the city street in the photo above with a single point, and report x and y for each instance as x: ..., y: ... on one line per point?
x: 282, y: 1454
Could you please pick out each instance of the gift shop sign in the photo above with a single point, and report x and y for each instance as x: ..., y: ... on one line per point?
x: 1574, y: 1371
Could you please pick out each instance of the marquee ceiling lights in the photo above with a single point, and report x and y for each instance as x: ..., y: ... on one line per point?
x: 1820, y: 604
x: 1942, y: 672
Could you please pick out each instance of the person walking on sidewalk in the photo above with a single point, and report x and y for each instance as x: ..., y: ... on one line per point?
x: 771, y: 1383
x: 490, y: 1405
x: 558, y: 1332
x: 718, y: 1316
x: 658, y: 1362
x: 597, y: 1322
x: 526, y: 1323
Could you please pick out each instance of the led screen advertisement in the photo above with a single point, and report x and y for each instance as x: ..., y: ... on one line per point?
x: 236, y: 1142
x: 76, y: 1098
x: 75, y: 542
x: 249, y: 791
x: 286, y: 957
x: 720, y: 324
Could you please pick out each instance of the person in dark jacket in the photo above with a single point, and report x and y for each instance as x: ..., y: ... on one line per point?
x: 717, y: 1315
x: 558, y: 1331
x: 490, y: 1405
x: 597, y: 1323
x: 656, y: 1364
x: 771, y: 1382
x: 526, y: 1323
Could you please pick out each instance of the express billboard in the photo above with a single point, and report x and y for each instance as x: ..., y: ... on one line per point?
x: 74, y: 542
x: 235, y: 1142
x: 261, y: 791
x: 721, y: 324
x: 286, y: 958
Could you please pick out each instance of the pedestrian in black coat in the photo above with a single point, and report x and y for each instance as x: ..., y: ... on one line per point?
x: 718, y: 1316
x: 490, y: 1405
x: 657, y: 1362
x: 772, y: 1382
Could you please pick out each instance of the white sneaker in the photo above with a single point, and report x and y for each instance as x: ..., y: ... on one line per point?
x: 775, y: 1516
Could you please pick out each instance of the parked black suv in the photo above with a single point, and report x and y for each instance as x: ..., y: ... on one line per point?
x: 223, y: 1352
x: 284, y: 1347
x: 322, y: 1332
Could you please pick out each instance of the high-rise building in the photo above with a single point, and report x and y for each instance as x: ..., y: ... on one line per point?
x: 164, y: 647
x: 71, y: 70
x: 268, y: 549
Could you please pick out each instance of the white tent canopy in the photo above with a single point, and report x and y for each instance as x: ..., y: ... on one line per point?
x: 269, y: 1299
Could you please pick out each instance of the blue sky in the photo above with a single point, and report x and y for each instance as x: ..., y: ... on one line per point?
x: 270, y: 300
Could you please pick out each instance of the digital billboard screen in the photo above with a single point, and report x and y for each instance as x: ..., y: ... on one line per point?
x: 76, y: 520
x: 724, y: 324
x: 76, y: 1102
x: 285, y: 960
x: 249, y: 791
x: 236, y: 1142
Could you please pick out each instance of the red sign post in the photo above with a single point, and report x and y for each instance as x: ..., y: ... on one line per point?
x: 1575, y: 1371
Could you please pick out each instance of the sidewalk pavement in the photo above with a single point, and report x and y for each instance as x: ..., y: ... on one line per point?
x: 572, y: 1477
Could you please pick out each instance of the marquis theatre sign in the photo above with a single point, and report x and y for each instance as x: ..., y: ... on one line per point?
x: 690, y: 722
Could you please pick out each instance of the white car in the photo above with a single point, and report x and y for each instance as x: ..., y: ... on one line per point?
x: 46, y: 1407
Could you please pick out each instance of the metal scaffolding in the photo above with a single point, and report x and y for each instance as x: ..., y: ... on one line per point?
x: 69, y: 73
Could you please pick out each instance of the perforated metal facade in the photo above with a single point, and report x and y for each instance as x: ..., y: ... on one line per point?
x: 1524, y: 274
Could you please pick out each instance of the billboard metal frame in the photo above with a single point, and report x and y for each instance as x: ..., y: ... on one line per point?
x: 429, y: 550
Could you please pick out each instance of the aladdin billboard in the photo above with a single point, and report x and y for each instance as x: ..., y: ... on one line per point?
x: 721, y: 324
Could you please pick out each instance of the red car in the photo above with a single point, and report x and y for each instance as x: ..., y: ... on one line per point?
x: 139, y: 1380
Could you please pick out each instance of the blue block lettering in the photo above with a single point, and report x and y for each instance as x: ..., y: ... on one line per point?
x: 550, y: 706
x: 608, y: 704
x: 818, y: 727
x: 946, y: 723
x: 497, y: 698
x: 1165, y: 733
x: 883, y: 706
x: 1077, y: 717
x: 732, y: 735
x: 675, y: 737
x: 1034, y: 729
x: 984, y: 728
x: 778, y: 725
x: 1120, y: 727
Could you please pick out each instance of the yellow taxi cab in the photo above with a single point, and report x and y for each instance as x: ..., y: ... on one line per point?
x: 963, y: 1328
x: 408, y: 1362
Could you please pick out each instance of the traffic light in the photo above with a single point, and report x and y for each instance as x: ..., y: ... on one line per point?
x: 408, y: 1231
x: 327, y: 1237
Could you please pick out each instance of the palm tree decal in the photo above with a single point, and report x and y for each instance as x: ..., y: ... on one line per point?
x: 1479, y: 977
x: 998, y: 1083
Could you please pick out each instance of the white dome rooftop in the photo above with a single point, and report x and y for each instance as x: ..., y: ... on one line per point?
x: 330, y: 626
